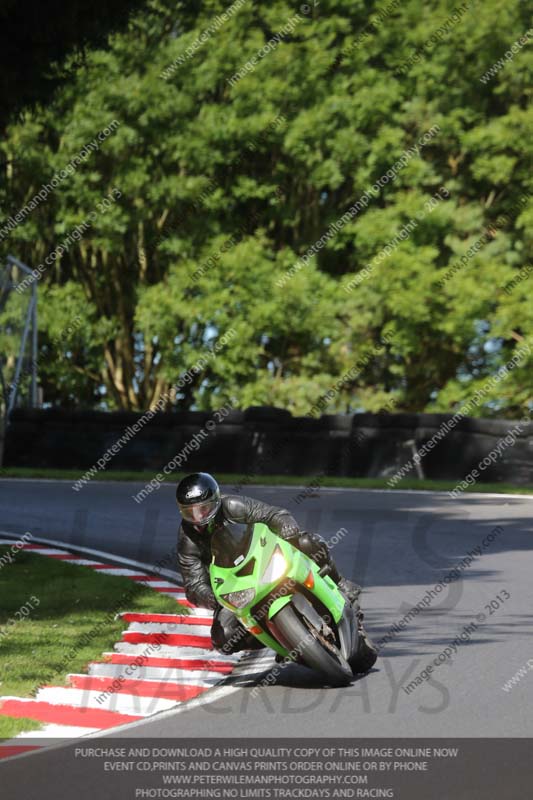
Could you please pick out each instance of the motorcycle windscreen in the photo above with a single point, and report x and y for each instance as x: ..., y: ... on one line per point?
x: 230, y: 544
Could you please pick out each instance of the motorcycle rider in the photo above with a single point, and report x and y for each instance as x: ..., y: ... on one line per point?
x: 203, y: 509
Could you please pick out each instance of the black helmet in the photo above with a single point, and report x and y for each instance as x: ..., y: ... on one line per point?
x: 198, y: 498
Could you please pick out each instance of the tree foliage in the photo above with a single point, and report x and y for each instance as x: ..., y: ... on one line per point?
x: 225, y: 184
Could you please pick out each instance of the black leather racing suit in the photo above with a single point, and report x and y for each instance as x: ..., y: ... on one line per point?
x: 194, y: 557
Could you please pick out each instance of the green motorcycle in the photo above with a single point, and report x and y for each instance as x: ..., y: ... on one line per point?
x: 286, y: 601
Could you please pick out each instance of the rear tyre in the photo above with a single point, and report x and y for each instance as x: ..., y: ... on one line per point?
x: 299, y: 636
x: 366, y: 655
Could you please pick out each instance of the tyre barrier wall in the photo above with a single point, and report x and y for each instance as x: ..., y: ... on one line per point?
x: 265, y: 440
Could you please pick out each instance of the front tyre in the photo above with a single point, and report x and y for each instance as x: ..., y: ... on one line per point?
x: 301, y: 638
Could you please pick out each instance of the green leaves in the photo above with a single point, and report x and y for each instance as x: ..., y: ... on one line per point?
x: 225, y: 186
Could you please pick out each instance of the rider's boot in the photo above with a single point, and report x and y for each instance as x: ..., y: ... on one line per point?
x: 367, y: 652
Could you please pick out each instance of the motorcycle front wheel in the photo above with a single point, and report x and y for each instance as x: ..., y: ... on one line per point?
x: 307, y: 644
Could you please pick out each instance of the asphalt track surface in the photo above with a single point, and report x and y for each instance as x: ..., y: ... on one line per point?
x: 399, y: 546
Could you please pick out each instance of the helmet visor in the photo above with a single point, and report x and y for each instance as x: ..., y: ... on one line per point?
x: 200, y: 513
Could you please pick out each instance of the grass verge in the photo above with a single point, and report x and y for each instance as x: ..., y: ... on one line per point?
x: 242, y: 481
x: 69, y: 626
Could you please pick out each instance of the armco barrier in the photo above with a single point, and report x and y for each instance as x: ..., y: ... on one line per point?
x: 265, y: 440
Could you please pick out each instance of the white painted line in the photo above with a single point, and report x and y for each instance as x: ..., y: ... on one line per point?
x: 119, y: 702
x: 438, y: 492
x: 215, y: 694
x: 103, y: 555
x: 255, y: 667
x: 256, y: 656
x: 166, y: 627
x: 110, y: 570
x: 167, y: 674
x: 162, y: 652
x: 294, y: 487
x: 198, y: 612
x: 157, y: 584
x: 56, y: 731
x: 178, y: 616
x: 130, y: 703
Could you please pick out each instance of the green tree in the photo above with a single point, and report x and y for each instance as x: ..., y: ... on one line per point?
x: 226, y: 182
